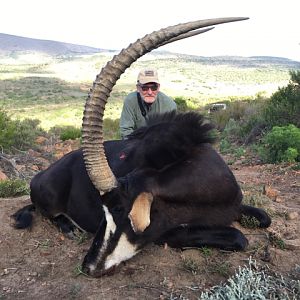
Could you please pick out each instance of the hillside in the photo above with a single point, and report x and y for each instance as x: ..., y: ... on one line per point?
x: 10, y: 44
x: 49, y: 80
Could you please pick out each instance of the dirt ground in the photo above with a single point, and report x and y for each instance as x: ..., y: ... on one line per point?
x: 41, y: 264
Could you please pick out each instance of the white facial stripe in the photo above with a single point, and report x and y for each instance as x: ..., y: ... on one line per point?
x: 110, y: 229
x: 111, y: 225
x: 123, y: 251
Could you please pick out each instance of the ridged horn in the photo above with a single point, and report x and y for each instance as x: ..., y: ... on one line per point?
x: 92, y: 133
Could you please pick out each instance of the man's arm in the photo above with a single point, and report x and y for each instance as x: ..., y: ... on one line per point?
x: 127, y: 123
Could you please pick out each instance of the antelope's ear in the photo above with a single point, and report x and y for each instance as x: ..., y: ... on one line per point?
x: 140, y: 213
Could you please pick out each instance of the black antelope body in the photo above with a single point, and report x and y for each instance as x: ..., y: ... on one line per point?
x: 165, y: 184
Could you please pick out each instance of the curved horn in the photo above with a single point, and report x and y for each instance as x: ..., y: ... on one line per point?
x: 186, y: 35
x: 92, y: 133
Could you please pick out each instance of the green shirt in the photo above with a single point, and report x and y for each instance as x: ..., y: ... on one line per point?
x: 131, y: 116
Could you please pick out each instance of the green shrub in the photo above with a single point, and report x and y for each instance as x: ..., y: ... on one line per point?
x: 281, y: 144
x: 111, y: 129
x: 225, y: 146
x: 284, y: 105
x: 232, y: 130
x: 13, y: 188
x: 66, y: 132
x: 254, y: 282
x: 242, y: 121
x: 26, y: 133
x: 70, y: 133
x: 181, y: 104
x: 17, y: 134
x: 235, y: 111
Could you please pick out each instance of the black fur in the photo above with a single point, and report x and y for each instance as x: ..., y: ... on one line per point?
x: 23, y: 217
x: 173, y: 159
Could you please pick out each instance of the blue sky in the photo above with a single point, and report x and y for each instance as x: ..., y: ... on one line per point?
x: 273, y: 28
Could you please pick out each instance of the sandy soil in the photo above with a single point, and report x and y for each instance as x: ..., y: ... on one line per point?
x: 42, y: 264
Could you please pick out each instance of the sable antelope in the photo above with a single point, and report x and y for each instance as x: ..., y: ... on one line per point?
x: 165, y: 184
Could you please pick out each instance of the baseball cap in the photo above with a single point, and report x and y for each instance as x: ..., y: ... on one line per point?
x: 147, y: 75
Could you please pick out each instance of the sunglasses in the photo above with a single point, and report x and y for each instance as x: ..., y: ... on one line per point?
x: 152, y: 87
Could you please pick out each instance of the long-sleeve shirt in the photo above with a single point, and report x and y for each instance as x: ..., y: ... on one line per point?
x: 131, y: 116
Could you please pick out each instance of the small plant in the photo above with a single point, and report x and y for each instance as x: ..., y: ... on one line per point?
x: 78, y: 271
x: 80, y: 237
x: 276, y: 241
x: 239, y: 152
x: 221, y: 268
x: 13, y: 188
x: 44, y: 244
x: 70, y: 133
x: 249, y: 222
x: 206, y: 251
x: 66, y: 132
x: 296, y: 167
x: 225, y: 146
x: 232, y: 129
x: 190, y: 265
x: 74, y: 291
x: 254, y: 282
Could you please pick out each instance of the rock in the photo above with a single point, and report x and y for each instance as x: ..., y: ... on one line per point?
x: 292, y: 215
x: 40, y: 140
x: 35, y: 168
x: 33, y: 153
x: 292, y: 244
x: 2, y: 176
x: 279, y: 200
x: 270, y: 192
x: 20, y: 167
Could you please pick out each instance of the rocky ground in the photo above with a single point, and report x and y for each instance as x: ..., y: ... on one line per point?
x: 41, y: 263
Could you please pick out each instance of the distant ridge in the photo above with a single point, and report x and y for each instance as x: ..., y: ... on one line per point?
x: 12, y: 43
x: 12, y: 46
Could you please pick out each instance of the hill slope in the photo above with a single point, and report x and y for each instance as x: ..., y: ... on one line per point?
x: 12, y: 43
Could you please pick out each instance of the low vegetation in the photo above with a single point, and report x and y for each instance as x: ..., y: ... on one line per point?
x: 13, y: 188
x: 66, y: 132
x: 254, y: 282
x: 270, y: 125
x: 16, y: 134
x: 281, y: 144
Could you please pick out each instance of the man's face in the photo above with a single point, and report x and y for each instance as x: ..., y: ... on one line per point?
x: 148, y: 91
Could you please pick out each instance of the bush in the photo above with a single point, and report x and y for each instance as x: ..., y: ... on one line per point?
x: 254, y: 282
x: 111, y: 129
x: 13, y: 188
x: 281, y: 144
x: 17, y: 134
x: 242, y: 121
x: 232, y: 130
x: 70, y: 133
x: 235, y: 111
x: 66, y: 132
x: 284, y: 105
x: 181, y: 104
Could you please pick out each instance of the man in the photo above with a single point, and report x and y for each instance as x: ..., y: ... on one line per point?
x: 145, y: 101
